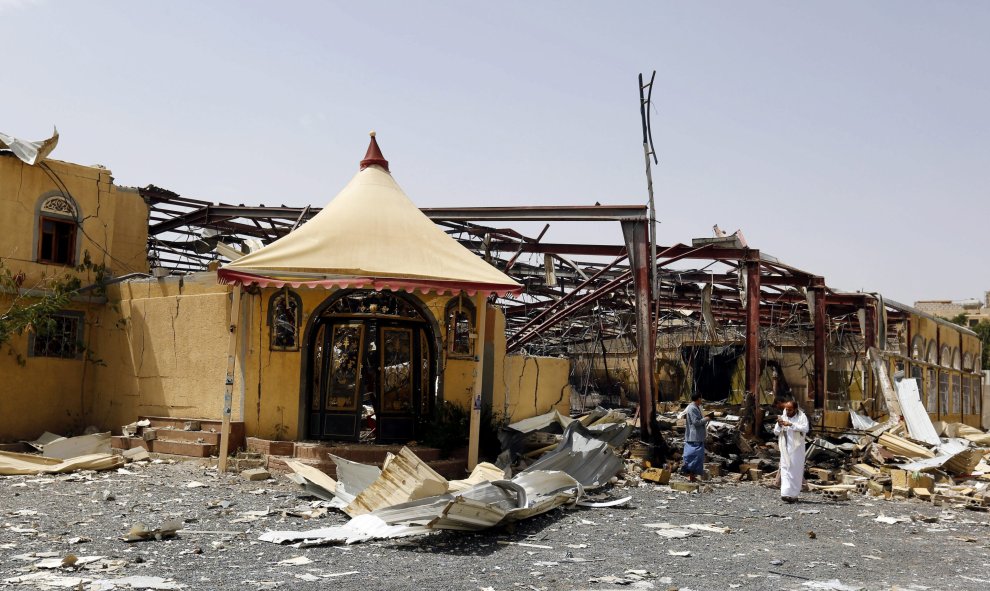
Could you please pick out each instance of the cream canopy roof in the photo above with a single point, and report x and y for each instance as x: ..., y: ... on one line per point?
x: 371, y: 235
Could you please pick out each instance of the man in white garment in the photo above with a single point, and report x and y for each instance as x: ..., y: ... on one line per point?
x: 790, y: 429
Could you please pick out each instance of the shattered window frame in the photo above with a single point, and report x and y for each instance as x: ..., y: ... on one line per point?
x: 62, y: 340
x: 284, y: 320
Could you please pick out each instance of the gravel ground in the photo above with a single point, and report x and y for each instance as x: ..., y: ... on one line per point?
x: 770, y: 546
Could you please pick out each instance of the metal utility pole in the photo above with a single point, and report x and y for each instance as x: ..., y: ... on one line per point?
x: 645, y: 95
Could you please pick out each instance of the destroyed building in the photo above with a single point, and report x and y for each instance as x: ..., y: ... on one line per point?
x: 521, y: 326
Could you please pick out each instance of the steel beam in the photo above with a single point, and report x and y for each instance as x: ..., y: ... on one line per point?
x: 512, y: 344
x: 549, y: 213
x: 819, y: 348
x: 637, y: 236
x: 753, y: 341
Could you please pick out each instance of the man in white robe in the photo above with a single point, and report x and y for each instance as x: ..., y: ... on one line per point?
x: 790, y: 429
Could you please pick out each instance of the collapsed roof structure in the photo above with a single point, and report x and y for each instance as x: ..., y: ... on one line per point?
x: 579, y: 294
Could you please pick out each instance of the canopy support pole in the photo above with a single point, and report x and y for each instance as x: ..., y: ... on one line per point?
x: 474, y: 430
x: 228, y: 388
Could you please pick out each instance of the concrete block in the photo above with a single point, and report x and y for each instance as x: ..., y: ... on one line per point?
x: 905, y: 479
x: 256, y: 474
x: 900, y: 492
x: 658, y: 475
x: 688, y: 487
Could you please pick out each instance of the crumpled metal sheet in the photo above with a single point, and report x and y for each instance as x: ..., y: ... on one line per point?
x: 919, y: 424
x: 955, y: 454
x: 29, y: 152
x: 587, y: 455
x: 558, y: 478
x: 861, y: 422
x: 360, y: 529
x: 404, y: 477
x: 540, y: 422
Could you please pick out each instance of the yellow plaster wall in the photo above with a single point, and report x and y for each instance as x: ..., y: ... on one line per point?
x: 47, y: 393
x: 272, y: 389
x: 114, y: 219
x: 164, y: 343
x: 533, y: 386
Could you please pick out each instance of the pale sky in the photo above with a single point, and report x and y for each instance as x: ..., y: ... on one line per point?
x: 850, y: 139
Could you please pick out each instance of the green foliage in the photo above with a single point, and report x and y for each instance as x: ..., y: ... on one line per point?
x: 959, y: 319
x: 983, y: 330
x: 35, y: 311
x: 448, y: 430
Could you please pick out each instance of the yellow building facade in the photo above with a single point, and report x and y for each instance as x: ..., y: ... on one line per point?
x: 54, y: 217
x: 166, y: 356
x: 156, y: 346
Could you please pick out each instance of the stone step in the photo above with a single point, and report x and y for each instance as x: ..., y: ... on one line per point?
x: 270, y: 447
x: 123, y: 442
x: 183, y: 448
x: 189, y: 449
x: 176, y: 424
x: 210, y: 437
x: 179, y: 422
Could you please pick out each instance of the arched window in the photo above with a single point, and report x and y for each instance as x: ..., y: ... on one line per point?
x: 460, y: 315
x: 284, y: 319
x: 945, y: 358
x: 917, y: 347
x: 58, y: 218
x: 932, y: 355
x: 956, y: 360
x: 967, y: 363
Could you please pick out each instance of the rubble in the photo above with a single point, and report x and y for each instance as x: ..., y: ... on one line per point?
x: 408, y: 498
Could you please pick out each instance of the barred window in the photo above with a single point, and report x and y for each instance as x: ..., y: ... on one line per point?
x: 60, y: 336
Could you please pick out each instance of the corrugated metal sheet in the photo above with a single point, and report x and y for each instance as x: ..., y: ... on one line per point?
x: 404, y: 478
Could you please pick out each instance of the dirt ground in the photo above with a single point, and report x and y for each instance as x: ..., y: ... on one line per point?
x: 769, y: 545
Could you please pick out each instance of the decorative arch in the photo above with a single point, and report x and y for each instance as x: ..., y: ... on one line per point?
x: 918, y: 347
x: 57, y: 239
x: 396, y: 305
x: 284, y: 320
x: 459, y: 318
x: 945, y: 357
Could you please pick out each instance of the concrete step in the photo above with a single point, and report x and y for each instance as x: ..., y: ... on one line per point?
x: 270, y: 447
x: 123, y: 442
x: 179, y: 422
x: 175, y: 425
x: 189, y: 449
x: 183, y: 448
x: 212, y: 438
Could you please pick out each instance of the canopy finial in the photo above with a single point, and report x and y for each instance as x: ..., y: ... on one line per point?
x: 374, y: 155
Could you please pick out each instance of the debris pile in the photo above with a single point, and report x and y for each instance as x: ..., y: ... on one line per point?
x: 61, y: 454
x: 408, y: 498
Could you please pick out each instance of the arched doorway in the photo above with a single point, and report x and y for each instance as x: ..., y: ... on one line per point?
x: 368, y: 348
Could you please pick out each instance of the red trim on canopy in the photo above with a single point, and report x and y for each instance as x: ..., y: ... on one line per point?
x: 374, y: 155
x: 228, y: 277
